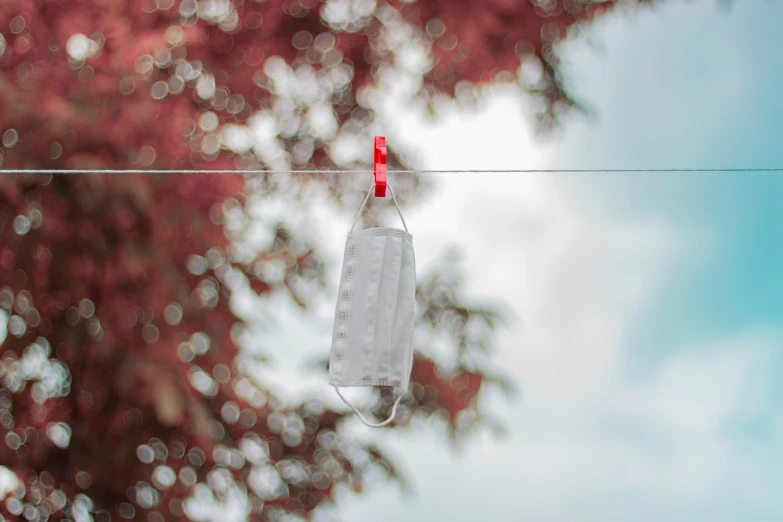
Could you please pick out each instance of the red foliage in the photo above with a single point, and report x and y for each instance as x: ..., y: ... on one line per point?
x: 120, y: 366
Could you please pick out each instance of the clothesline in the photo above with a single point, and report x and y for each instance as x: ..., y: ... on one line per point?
x: 412, y: 171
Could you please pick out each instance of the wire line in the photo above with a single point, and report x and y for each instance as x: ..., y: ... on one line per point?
x: 411, y: 171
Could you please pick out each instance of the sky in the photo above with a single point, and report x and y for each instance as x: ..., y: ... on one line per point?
x: 647, y: 331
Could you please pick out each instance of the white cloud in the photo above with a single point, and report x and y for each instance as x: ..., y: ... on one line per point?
x: 575, y: 280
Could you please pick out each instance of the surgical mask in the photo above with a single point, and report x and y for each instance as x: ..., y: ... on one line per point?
x: 372, y: 342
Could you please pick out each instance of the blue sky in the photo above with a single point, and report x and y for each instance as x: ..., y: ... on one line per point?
x: 711, y: 101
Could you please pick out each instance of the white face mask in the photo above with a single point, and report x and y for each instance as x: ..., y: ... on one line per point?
x: 372, y: 343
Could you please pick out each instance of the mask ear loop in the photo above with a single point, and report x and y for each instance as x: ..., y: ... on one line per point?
x: 364, y: 203
x: 398, y: 208
x: 361, y: 417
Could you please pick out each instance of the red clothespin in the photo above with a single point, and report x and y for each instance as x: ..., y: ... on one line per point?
x: 380, y: 166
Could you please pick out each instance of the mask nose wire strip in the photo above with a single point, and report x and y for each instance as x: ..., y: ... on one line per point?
x: 361, y: 417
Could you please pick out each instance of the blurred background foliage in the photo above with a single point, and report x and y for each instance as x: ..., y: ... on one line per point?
x: 126, y: 392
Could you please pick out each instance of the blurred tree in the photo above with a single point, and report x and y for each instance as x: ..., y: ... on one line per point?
x: 124, y: 394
